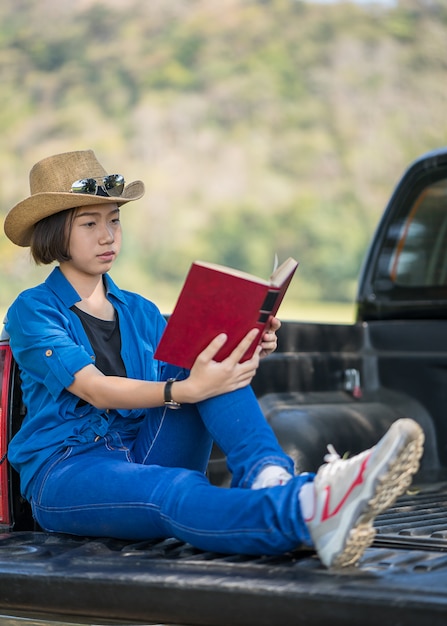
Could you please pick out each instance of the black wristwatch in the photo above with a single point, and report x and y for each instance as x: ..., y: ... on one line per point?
x: 169, y: 402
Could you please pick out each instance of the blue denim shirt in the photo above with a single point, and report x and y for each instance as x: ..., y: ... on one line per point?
x: 50, y: 345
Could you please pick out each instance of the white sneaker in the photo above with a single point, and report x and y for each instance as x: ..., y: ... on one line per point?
x: 350, y: 493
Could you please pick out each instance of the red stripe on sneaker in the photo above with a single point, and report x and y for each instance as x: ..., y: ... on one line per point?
x: 326, y: 513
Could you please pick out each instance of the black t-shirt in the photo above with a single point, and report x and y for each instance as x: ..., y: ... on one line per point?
x: 105, y: 338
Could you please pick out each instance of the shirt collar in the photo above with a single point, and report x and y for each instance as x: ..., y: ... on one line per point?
x: 63, y: 289
x: 113, y: 290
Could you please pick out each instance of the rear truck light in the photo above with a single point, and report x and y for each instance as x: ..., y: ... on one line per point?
x: 5, y: 377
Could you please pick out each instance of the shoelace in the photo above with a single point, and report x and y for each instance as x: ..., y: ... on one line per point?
x: 332, y: 454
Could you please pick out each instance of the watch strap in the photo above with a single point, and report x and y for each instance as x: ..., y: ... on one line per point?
x: 169, y: 402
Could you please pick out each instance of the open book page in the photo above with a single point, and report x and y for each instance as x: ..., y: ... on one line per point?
x: 283, y: 271
x: 277, y: 277
x: 232, y: 272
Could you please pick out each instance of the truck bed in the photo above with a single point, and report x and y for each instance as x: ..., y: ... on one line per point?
x: 172, y: 582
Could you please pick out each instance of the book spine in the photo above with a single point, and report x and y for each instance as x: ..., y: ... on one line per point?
x: 268, y: 310
x: 268, y: 306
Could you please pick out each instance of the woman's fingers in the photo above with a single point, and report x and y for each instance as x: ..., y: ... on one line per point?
x: 212, y: 348
x: 236, y: 355
x: 243, y: 345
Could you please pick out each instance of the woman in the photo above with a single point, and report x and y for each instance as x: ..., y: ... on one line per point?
x: 100, y: 451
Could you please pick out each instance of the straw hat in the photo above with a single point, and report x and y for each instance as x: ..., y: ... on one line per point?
x: 50, y: 185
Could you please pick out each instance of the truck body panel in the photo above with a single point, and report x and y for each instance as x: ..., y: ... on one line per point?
x: 342, y: 384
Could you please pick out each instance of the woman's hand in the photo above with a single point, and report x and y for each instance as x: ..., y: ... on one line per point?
x: 209, y: 378
x: 269, y: 340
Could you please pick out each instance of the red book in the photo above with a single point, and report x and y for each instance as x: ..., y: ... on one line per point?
x: 217, y: 299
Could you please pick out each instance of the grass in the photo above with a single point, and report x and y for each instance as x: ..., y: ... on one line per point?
x: 327, y: 312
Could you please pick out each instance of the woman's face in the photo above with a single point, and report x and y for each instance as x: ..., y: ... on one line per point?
x: 95, y: 238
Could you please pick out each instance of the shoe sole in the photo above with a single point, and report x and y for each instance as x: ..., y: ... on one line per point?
x: 389, y: 487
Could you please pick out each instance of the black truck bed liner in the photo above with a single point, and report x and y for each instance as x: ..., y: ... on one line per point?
x: 170, y: 581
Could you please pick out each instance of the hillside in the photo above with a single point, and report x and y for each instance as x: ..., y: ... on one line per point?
x: 258, y: 126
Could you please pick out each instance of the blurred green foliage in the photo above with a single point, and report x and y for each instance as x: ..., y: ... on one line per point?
x: 258, y: 126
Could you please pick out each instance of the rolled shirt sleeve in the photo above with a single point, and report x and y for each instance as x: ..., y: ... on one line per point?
x: 42, y: 342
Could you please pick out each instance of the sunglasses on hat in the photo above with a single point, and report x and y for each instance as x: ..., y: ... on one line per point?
x: 111, y: 185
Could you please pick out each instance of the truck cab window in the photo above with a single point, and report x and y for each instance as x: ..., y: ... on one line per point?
x: 419, y: 258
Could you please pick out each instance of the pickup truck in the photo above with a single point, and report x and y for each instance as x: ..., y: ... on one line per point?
x: 340, y: 384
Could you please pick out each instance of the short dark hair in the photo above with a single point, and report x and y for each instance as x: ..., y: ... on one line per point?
x: 49, y: 241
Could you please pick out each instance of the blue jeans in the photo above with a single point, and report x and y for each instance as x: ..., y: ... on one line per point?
x: 154, y: 486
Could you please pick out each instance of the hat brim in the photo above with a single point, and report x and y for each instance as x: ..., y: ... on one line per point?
x: 20, y: 221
